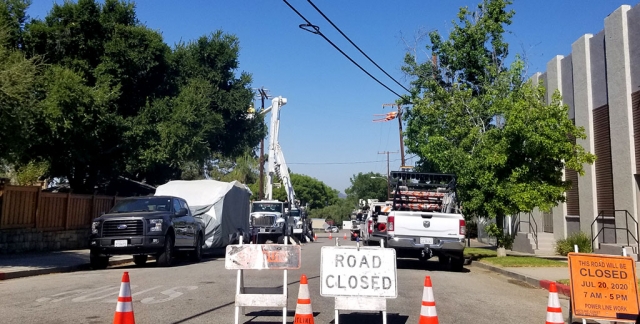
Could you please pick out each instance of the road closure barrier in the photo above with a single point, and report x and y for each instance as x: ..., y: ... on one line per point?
x: 603, y: 287
x: 359, y: 278
x: 124, y: 306
x: 554, y: 311
x: 428, y: 314
x: 304, y: 312
x: 243, y: 257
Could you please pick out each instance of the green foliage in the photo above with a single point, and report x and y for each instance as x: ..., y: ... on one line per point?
x: 502, y: 239
x: 565, y: 246
x: 477, y: 118
x: 338, y: 212
x: 114, y: 99
x: 363, y: 186
x: 31, y: 173
x: 313, y: 191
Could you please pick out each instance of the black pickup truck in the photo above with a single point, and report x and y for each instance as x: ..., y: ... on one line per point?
x: 158, y: 226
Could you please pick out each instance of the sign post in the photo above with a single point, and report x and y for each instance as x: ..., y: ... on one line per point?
x: 603, y: 287
x: 262, y: 257
x: 359, y: 278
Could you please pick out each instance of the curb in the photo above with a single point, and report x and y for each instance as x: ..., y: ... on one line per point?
x: 544, y: 284
x: 38, y: 272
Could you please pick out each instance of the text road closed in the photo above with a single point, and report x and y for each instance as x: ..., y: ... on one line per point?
x: 367, y: 272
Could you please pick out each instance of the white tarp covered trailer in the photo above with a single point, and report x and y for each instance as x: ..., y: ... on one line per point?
x: 223, y: 206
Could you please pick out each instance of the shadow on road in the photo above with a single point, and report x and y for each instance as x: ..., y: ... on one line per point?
x: 414, y: 264
x: 368, y: 318
x: 274, y: 313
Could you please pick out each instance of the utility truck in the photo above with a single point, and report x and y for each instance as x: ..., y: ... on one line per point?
x: 272, y: 219
x: 425, y: 218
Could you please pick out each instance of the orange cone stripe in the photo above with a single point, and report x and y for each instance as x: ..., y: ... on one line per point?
x: 304, y: 301
x: 125, y: 299
x: 554, y: 309
x: 428, y: 303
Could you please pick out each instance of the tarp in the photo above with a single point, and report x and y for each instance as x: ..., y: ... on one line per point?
x: 223, y: 206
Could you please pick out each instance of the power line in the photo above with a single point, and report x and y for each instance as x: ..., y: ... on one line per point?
x: 357, y: 162
x: 356, y: 46
x: 316, y: 30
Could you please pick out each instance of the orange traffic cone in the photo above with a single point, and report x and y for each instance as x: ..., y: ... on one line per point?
x: 554, y: 311
x: 428, y: 310
x: 124, y: 308
x: 330, y: 236
x: 345, y: 236
x: 304, y: 314
x: 315, y: 236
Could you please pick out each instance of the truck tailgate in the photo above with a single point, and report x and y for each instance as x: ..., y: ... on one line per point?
x: 415, y: 223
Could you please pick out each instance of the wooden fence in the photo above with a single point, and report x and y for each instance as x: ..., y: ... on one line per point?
x: 29, y: 207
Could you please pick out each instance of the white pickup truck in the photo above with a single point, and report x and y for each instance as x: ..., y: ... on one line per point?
x: 424, y: 220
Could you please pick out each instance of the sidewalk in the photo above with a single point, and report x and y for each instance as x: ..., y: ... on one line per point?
x: 535, y: 276
x: 33, y: 264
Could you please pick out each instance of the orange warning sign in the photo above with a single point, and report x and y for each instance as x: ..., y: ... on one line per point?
x: 603, y: 287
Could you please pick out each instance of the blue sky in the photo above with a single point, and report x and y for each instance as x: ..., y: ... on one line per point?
x: 326, y: 128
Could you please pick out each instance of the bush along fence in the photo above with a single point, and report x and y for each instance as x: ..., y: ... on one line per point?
x: 31, y: 219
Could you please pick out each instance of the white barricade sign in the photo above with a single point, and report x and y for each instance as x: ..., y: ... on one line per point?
x: 358, y: 272
x: 360, y: 278
x: 243, y: 257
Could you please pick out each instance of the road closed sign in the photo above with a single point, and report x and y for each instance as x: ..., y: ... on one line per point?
x: 347, y: 271
x: 603, y: 287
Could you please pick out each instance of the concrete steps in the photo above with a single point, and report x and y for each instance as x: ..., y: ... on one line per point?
x: 616, y: 249
x: 524, y: 242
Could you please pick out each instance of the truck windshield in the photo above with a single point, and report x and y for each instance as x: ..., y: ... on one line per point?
x: 294, y: 213
x: 267, y: 207
x: 142, y: 205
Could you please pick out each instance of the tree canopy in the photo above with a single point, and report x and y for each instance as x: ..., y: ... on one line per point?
x: 477, y: 117
x: 113, y: 99
x: 368, y: 185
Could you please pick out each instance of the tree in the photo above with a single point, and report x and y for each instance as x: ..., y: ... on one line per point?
x: 114, y: 99
x: 368, y: 185
x: 503, y: 168
x: 338, y: 212
x: 312, y: 191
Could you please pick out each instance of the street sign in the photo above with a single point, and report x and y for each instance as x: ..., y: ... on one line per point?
x: 262, y: 256
x: 364, y: 272
x: 603, y: 287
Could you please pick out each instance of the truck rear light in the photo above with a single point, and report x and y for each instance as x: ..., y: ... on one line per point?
x: 463, y: 227
x: 390, y: 224
x: 370, y: 226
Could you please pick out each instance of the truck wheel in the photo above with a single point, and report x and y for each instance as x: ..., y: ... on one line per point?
x: 140, y: 260
x: 98, y: 262
x: 165, y: 259
x: 196, y: 255
x: 457, y: 263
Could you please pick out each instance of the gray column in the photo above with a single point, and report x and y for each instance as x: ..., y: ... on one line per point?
x: 554, y: 82
x: 583, y: 101
x: 621, y: 117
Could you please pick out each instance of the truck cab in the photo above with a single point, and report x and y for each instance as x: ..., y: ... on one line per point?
x: 267, y: 220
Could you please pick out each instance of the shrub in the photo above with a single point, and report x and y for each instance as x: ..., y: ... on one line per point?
x: 565, y: 246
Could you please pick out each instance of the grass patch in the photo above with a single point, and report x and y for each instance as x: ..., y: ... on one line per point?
x: 568, y: 282
x: 524, y: 261
x: 479, y: 253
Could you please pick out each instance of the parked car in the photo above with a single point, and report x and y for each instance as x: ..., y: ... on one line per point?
x: 332, y: 229
x: 143, y: 226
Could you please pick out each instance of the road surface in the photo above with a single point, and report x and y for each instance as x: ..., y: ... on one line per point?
x: 204, y: 293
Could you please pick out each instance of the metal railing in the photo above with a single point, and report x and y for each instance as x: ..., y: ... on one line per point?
x: 533, y: 227
x: 615, y: 229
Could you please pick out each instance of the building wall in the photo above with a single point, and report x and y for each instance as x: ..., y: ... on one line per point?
x: 602, y: 74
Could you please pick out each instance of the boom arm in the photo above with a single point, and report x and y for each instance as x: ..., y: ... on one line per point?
x: 277, y: 165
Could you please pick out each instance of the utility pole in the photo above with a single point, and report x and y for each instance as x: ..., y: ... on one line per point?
x: 263, y: 95
x: 388, y: 173
x: 399, y: 117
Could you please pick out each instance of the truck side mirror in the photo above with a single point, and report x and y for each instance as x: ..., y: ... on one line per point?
x: 182, y: 212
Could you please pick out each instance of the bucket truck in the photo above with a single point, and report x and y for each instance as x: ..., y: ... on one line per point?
x: 269, y: 218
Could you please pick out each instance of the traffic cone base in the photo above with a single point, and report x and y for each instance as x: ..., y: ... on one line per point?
x: 345, y: 236
x: 554, y: 311
x: 304, y: 313
x: 428, y: 313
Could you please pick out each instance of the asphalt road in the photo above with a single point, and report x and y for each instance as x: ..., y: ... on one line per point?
x: 204, y: 293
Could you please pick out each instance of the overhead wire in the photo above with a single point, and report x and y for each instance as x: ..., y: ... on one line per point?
x: 356, y: 162
x: 316, y: 30
x: 356, y: 46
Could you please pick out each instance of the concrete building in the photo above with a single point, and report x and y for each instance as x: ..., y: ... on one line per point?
x: 600, y: 82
